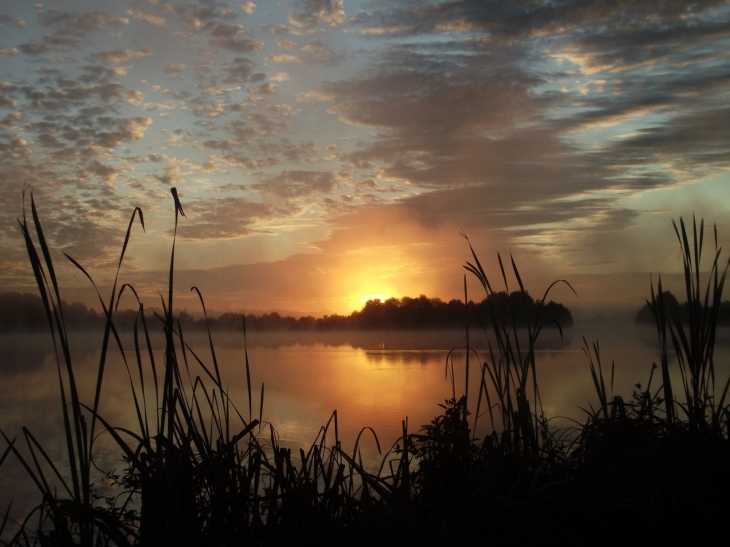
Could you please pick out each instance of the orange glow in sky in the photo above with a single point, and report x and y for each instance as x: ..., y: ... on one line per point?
x: 329, y: 152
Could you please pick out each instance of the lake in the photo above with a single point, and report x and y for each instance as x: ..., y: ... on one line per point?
x: 374, y: 379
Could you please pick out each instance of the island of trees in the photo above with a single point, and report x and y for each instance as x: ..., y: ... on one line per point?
x: 672, y: 309
x: 25, y: 313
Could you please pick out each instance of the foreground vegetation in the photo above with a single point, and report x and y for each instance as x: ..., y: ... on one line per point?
x: 202, y: 471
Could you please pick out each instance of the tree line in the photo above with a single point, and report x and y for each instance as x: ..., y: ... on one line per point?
x: 25, y: 313
x: 672, y: 308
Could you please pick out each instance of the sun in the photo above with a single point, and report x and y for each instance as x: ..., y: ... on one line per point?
x: 374, y: 279
x: 356, y: 302
x: 382, y: 297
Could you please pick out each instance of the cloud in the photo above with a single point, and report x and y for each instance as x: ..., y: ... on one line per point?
x: 317, y: 53
x: 107, y: 173
x: 222, y: 30
x: 314, y: 53
x: 155, y: 158
x: 240, y: 70
x: 693, y: 143
x: 173, y: 70
x: 171, y: 176
x: 15, y: 142
x: 79, y: 23
x: 277, y: 30
x: 209, y: 110
x: 221, y: 218
x: 314, y: 12
x: 256, y: 143
x: 525, y: 19
x: 239, y: 158
x: 125, y: 131
x: 255, y: 124
x: 368, y: 184
x: 282, y: 58
x: 122, y: 55
x: 229, y: 36
x: 464, y: 122
x: 248, y: 7
x: 428, y: 98
x: 263, y: 89
x: 70, y: 27
x: 33, y: 48
x: 11, y: 120
x: 71, y: 93
x: 114, y: 90
x: 237, y: 44
x: 296, y: 184
x: 155, y: 20
x: 285, y: 44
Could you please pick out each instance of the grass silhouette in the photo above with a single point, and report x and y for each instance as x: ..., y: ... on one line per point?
x: 201, y: 471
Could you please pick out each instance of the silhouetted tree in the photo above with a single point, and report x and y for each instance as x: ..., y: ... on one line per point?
x: 672, y: 309
x: 25, y: 313
x: 22, y: 312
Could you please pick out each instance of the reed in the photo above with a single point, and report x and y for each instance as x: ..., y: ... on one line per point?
x: 694, y: 345
x: 198, y: 471
x: 658, y: 463
x: 73, y: 516
x: 518, y: 423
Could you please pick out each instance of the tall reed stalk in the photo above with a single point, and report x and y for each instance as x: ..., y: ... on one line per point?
x: 518, y: 426
x: 195, y: 482
x: 694, y: 342
x: 75, y: 519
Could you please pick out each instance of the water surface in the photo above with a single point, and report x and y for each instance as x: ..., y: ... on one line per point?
x: 374, y: 379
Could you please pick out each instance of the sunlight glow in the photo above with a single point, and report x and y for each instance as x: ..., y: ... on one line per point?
x: 356, y: 302
x: 382, y: 297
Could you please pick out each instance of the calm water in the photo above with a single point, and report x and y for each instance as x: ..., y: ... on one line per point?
x: 371, y: 379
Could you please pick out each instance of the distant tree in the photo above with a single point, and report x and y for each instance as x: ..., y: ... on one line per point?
x: 335, y: 322
x: 22, y: 312
x: 557, y: 313
x: 723, y: 314
x: 521, y: 308
x: 433, y: 313
x: 306, y: 323
x: 25, y: 313
x: 672, y: 308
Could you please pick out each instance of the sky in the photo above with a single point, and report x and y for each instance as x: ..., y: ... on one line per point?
x: 331, y: 151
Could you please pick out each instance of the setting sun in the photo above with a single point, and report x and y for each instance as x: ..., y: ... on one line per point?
x: 359, y: 302
x: 359, y: 298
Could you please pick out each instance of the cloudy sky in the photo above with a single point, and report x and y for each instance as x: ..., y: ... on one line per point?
x: 328, y: 151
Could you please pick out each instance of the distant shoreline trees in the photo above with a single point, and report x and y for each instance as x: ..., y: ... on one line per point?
x: 672, y: 308
x: 25, y: 313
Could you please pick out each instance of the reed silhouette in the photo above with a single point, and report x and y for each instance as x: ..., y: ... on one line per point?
x: 201, y: 470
